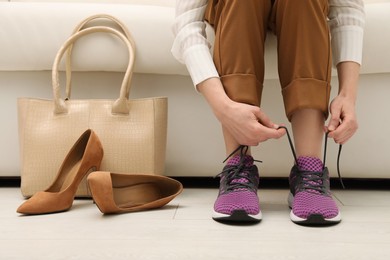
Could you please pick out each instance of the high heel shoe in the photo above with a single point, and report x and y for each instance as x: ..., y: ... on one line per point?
x: 84, y: 157
x: 120, y: 193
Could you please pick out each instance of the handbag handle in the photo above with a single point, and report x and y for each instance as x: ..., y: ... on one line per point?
x: 120, y: 106
x: 80, y: 27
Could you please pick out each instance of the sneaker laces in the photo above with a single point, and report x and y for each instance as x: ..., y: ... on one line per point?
x: 237, y: 175
x: 315, y: 179
x: 312, y: 182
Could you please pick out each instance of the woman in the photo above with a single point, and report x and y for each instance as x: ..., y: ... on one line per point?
x: 231, y: 80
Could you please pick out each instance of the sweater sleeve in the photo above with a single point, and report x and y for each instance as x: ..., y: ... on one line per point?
x: 346, y: 21
x: 190, y: 45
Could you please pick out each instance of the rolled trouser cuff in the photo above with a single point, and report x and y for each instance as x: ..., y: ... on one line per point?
x: 243, y: 88
x: 306, y: 93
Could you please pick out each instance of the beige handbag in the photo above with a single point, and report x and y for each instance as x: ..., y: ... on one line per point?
x: 132, y: 131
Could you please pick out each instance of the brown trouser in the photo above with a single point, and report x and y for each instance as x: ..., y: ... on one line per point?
x: 304, y: 54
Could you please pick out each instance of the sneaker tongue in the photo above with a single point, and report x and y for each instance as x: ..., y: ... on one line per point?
x: 235, y: 160
x: 310, y: 164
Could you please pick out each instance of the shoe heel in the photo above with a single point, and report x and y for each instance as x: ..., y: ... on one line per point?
x: 85, y: 182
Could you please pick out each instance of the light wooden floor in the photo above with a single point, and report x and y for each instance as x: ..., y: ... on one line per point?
x: 184, y: 230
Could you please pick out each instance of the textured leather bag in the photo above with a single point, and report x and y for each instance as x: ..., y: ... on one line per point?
x: 132, y: 131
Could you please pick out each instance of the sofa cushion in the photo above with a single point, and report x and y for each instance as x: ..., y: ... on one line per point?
x: 32, y: 33
x: 143, y: 2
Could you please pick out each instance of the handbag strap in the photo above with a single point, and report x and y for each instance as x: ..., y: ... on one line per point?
x: 120, y: 106
x: 80, y: 27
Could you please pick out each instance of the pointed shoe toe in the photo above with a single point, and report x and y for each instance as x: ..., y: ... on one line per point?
x: 46, y: 202
x: 122, y: 192
x: 85, y: 156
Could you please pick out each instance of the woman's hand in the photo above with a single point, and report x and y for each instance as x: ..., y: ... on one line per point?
x: 248, y: 124
x: 343, y: 122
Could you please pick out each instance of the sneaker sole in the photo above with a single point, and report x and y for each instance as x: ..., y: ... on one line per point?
x: 312, y: 220
x: 315, y: 220
x: 237, y: 216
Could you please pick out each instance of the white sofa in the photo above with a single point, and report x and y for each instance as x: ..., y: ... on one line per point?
x: 31, y: 32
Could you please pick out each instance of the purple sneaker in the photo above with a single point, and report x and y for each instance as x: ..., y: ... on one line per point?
x: 237, y: 199
x: 310, y: 199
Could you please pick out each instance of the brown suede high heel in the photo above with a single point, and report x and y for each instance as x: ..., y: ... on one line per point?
x: 120, y: 193
x: 84, y: 157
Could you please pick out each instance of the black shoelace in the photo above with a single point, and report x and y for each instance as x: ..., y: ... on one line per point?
x: 233, y: 173
x: 310, y: 175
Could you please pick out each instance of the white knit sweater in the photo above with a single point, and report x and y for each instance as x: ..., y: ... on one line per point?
x: 346, y: 21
